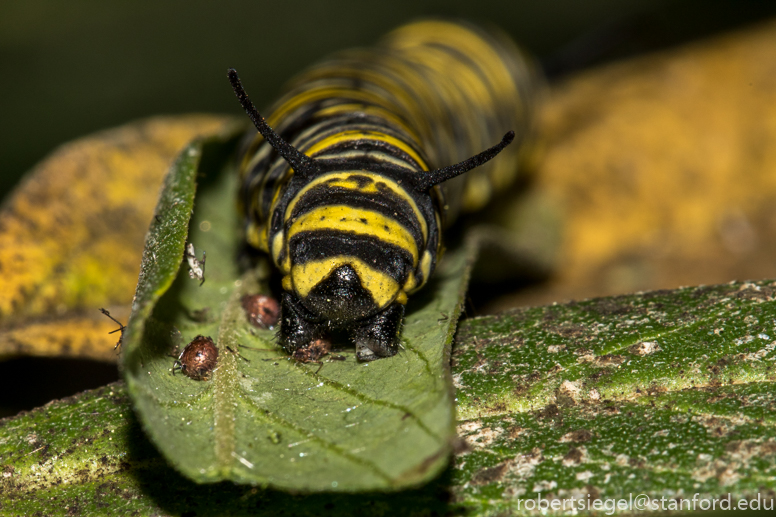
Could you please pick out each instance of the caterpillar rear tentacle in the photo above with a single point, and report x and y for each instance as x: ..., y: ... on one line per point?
x: 342, y: 196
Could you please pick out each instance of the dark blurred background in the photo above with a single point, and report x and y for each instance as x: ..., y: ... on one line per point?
x: 71, y: 68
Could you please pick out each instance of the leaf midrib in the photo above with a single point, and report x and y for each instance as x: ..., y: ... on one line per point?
x: 224, y: 384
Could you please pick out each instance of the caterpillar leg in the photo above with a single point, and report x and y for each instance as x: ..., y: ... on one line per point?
x: 378, y: 336
x: 296, y: 331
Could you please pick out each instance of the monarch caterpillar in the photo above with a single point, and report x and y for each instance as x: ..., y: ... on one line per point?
x: 344, y: 197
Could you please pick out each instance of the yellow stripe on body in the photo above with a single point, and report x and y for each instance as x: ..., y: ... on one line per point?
x: 310, y: 96
x: 383, y: 288
x: 409, y: 90
x: 425, y: 270
x: 275, y: 249
x: 257, y: 232
x: 500, y: 173
x: 338, y: 71
x: 468, y: 95
x: 410, y: 283
x: 342, y: 179
x: 377, y: 111
x: 322, y: 93
x: 357, y: 221
x: 376, y: 136
x: 493, y: 91
x: 464, y: 100
x: 254, y: 154
x: 436, y: 32
x: 423, y: 109
x: 457, y: 72
x: 256, y: 235
x: 354, y: 154
x: 259, y: 236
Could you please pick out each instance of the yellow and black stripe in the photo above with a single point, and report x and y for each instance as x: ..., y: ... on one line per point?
x: 346, y: 197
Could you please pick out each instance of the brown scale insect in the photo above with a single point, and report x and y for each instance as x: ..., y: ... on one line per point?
x: 198, y: 359
x: 262, y: 311
x: 313, y: 352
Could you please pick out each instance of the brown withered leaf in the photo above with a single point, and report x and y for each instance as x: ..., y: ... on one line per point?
x: 665, y: 169
x: 72, y: 234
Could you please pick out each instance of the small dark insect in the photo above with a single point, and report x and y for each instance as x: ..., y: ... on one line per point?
x: 196, y: 266
x: 238, y: 354
x: 121, y: 328
x: 313, y: 352
x: 198, y: 359
x: 262, y: 311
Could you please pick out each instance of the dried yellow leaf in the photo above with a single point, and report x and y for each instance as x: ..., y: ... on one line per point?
x: 72, y: 234
x: 665, y: 167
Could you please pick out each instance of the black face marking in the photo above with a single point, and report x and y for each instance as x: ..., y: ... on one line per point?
x: 340, y: 297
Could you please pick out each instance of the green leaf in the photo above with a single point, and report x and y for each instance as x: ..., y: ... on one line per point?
x: 663, y: 432
x: 88, y: 455
x: 667, y: 393
x: 263, y: 418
